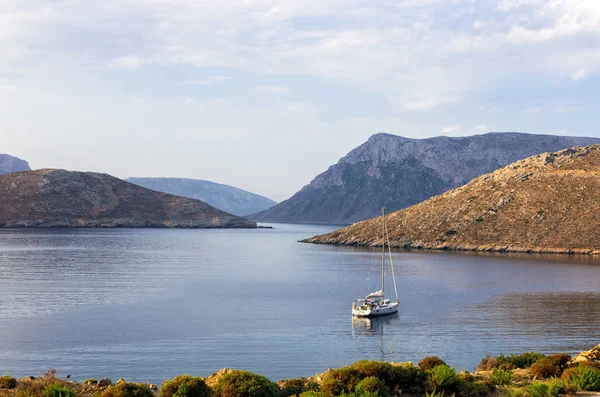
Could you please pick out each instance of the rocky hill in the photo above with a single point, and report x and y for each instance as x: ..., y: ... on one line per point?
x: 395, y: 172
x: 10, y: 164
x: 227, y: 198
x: 546, y: 203
x: 59, y: 198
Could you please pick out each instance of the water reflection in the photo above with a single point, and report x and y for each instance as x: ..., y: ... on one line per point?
x: 382, y: 328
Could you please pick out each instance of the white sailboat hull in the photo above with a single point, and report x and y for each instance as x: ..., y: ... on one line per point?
x: 379, y: 310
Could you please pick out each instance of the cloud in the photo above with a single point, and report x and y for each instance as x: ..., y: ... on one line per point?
x: 207, y: 81
x: 126, y: 62
x: 450, y: 129
x: 270, y: 89
x: 535, y: 109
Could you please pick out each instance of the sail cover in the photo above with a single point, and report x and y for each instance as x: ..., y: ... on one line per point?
x: 376, y: 294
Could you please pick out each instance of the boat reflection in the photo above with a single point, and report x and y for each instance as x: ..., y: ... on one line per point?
x: 382, y: 330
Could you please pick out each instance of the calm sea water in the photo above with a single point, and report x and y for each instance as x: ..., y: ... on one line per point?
x: 147, y: 305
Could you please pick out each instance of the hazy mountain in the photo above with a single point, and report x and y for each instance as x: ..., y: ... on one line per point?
x: 59, y: 198
x: 395, y: 172
x: 12, y: 164
x: 227, y: 198
x: 546, y: 203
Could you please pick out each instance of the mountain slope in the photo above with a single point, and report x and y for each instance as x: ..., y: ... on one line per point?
x: 59, y: 198
x: 226, y: 198
x: 395, y: 172
x: 546, y: 203
x: 10, y: 164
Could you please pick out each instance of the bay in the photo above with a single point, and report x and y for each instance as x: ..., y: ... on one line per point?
x: 149, y: 304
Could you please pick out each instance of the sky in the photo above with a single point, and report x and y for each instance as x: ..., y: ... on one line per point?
x: 266, y: 94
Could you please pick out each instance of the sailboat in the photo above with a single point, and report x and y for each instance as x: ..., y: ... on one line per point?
x: 375, y: 304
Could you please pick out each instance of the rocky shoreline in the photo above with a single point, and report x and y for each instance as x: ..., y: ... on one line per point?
x: 519, y: 375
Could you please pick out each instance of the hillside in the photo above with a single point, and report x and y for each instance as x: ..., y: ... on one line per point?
x: 395, y: 172
x: 59, y: 198
x: 10, y: 164
x: 546, y: 203
x: 226, y: 198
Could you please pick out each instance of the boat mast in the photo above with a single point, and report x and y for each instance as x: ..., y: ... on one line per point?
x: 383, y: 256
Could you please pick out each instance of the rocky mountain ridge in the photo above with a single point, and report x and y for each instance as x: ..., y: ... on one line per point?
x: 10, y: 164
x: 396, y: 172
x: 546, y: 203
x: 224, y: 197
x: 60, y: 198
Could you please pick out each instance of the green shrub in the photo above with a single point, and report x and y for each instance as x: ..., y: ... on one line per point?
x: 543, y: 369
x: 55, y: 390
x: 513, y: 392
x: 488, y: 363
x: 409, y: 378
x: 430, y: 362
x: 184, y: 386
x: 7, y: 382
x: 569, y: 373
x: 312, y: 393
x: 443, y: 377
x: 560, y: 361
x: 382, y: 370
x: 127, y: 389
x: 331, y: 387
x: 587, y: 378
x: 90, y: 381
x: 291, y: 387
x: 473, y: 389
x: 537, y: 389
x: 239, y: 383
x: 557, y: 387
x: 523, y: 360
x: 372, y: 384
x: 500, y: 377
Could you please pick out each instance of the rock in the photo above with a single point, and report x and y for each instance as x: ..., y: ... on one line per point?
x: 104, y: 382
x: 121, y: 380
x: 211, y: 380
x: 59, y: 198
x: 587, y: 356
x: 395, y: 172
x: 152, y: 386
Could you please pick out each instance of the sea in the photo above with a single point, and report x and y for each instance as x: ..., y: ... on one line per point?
x: 150, y: 304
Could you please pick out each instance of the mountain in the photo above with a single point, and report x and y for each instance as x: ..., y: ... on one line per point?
x: 59, y: 198
x: 395, y: 172
x: 10, y: 164
x: 227, y: 198
x: 546, y: 203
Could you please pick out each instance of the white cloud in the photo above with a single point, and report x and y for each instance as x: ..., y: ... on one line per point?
x: 535, y: 109
x: 579, y: 74
x: 450, y: 129
x: 207, y: 81
x: 271, y: 89
x: 126, y: 62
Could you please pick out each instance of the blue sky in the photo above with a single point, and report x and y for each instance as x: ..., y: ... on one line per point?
x: 266, y: 94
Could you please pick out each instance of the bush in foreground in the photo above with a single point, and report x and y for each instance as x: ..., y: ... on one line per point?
x: 127, y: 389
x: 557, y: 387
x: 430, y: 362
x: 560, y: 361
x: 523, y: 360
x: 185, y: 386
x: 443, y: 377
x: 238, y: 383
x: 587, y: 378
x: 537, y: 389
x: 56, y: 390
x: 7, y: 382
x: 500, y: 377
x: 373, y: 385
x: 543, y: 369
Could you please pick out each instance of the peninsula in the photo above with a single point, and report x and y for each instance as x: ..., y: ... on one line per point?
x: 547, y: 203
x: 60, y: 198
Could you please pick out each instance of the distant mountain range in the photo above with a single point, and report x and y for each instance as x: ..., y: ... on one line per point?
x: 59, y: 198
x: 395, y: 172
x: 226, y: 198
x: 12, y: 164
x: 547, y: 203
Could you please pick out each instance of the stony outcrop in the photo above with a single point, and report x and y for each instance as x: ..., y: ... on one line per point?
x: 10, y: 164
x: 547, y: 203
x: 59, y: 198
x: 226, y: 198
x: 395, y: 172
